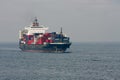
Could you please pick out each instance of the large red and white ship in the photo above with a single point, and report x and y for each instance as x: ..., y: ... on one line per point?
x: 36, y: 38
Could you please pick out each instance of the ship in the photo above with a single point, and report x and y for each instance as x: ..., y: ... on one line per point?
x: 36, y: 37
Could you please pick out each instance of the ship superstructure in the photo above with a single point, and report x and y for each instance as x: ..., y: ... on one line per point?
x: 36, y: 38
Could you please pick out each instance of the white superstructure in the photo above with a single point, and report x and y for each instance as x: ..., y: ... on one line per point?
x: 34, y: 28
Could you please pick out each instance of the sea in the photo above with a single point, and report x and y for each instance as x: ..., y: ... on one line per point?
x: 83, y: 61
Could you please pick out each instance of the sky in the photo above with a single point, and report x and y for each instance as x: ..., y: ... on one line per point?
x: 82, y: 20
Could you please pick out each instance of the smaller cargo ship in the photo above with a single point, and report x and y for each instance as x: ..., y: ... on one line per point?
x: 36, y: 38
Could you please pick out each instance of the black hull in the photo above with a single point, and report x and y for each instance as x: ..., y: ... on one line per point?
x: 45, y: 48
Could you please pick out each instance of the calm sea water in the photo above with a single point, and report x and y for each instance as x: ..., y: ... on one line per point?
x: 87, y: 61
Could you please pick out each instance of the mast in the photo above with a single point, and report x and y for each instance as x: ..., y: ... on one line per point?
x: 61, y: 31
x: 35, y: 23
x: 61, y: 35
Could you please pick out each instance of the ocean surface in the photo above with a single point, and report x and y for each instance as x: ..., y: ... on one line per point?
x: 83, y: 61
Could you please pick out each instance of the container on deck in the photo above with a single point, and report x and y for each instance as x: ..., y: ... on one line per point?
x: 30, y: 41
x: 47, y: 35
x: 40, y: 40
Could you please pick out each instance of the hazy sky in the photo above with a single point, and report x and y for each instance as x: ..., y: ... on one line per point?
x: 82, y: 20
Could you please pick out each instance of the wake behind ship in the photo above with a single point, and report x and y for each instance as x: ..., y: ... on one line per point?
x: 36, y: 38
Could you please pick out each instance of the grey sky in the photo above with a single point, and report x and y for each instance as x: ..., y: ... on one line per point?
x: 82, y: 20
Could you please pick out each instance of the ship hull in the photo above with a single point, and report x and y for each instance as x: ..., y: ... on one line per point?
x: 45, y: 48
